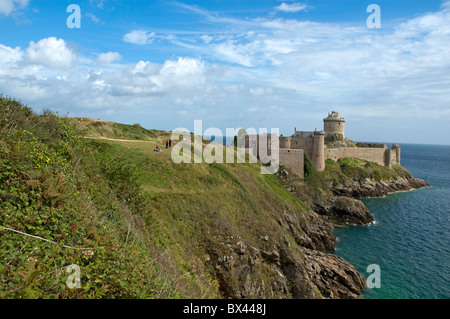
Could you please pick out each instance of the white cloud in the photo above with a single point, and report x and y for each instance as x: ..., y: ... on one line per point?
x: 107, y: 58
x: 9, y: 6
x: 139, y: 37
x: 206, y: 38
x: 294, y: 7
x: 231, y: 52
x: 9, y: 55
x: 261, y: 91
x: 50, y: 52
x: 94, y: 18
x: 185, y: 73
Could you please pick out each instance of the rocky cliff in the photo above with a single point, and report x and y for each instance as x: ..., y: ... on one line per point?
x: 370, y: 188
x: 362, y: 179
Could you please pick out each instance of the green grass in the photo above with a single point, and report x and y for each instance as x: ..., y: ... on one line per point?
x: 347, y: 170
x: 312, y: 176
x: 153, y: 219
x: 98, y: 128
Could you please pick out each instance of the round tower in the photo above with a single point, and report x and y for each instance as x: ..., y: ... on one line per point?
x: 334, y: 124
x: 318, y: 156
x: 397, y: 150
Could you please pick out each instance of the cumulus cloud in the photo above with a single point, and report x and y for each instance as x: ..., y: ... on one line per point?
x: 50, y: 52
x: 10, y: 55
x: 294, y: 7
x: 107, y: 58
x: 141, y: 37
x: 9, y: 6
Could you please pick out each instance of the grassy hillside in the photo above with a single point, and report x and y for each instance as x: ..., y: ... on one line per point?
x: 137, y: 224
x: 347, y: 170
x: 105, y: 129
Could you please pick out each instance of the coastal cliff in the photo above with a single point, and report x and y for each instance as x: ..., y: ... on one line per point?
x: 314, y: 191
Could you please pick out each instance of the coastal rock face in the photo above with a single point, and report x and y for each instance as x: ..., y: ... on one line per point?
x: 278, y: 271
x: 332, y: 208
x: 245, y: 271
x: 348, y: 210
x: 333, y: 276
x: 309, y: 230
x: 341, y: 209
x: 370, y: 188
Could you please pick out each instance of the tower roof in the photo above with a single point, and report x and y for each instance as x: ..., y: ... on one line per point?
x: 333, y: 116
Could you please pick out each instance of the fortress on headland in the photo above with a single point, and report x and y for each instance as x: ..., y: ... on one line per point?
x: 329, y: 144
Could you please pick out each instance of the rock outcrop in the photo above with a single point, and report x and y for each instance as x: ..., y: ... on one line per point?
x: 309, y: 230
x: 333, y: 276
x: 370, y: 188
x: 246, y: 271
x: 334, y: 209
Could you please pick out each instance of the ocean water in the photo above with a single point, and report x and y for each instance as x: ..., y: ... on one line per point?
x: 410, y: 240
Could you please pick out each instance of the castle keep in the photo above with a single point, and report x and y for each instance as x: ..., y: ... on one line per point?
x: 329, y: 144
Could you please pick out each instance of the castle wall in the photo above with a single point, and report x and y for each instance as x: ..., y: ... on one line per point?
x: 285, y: 142
x: 294, y: 160
x: 382, y: 156
x: 305, y: 143
x: 311, y: 143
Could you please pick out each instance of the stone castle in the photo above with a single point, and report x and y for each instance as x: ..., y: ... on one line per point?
x: 329, y: 144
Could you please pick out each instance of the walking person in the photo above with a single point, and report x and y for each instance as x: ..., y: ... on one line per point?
x: 167, y: 143
x: 170, y: 143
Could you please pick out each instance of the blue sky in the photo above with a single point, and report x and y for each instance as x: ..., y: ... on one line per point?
x: 266, y: 63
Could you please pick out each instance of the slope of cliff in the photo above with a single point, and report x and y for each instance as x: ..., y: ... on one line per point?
x: 138, y: 225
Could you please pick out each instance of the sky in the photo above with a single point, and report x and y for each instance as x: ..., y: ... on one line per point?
x: 235, y: 63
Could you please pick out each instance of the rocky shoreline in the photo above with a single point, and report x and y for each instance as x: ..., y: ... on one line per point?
x: 369, y: 188
x: 299, y: 262
x: 335, y: 205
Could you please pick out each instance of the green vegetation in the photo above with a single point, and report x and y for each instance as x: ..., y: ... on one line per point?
x: 312, y: 189
x: 371, y: 145
x: 347, y: 170
x: 312, y: 176
x: 98, y: 128
x: 137, y: 224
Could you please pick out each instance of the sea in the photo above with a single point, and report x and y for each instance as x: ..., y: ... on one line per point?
x: 405, y: 254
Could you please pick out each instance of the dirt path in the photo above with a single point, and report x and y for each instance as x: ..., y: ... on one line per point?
x: 115, y: 139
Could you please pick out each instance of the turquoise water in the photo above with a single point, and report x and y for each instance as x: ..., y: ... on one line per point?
x: 410, y: 239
